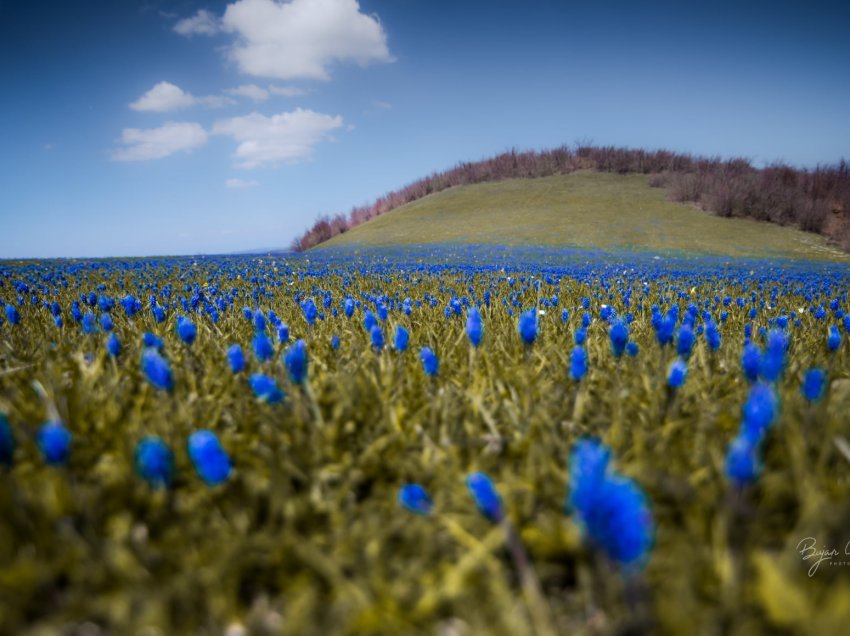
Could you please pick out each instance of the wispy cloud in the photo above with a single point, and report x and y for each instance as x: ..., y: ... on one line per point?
x: 286, y: 91
x: 156, y: 143
x: 288, y: 136
x: 241, y: 183
x: 301, y: 38
x: 251, y: 91
x: 165, y: 97
x: 202, y: 23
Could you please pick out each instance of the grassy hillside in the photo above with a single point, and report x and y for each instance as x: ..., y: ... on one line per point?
x: 583, y: 209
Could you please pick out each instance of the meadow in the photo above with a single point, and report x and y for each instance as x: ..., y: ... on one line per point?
x: 567, y: 442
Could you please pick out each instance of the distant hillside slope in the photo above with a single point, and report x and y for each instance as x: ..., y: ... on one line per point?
x: 816, y: 201
x: 584, y: 209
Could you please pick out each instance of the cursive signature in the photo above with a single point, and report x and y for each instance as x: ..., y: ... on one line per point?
x: 809, y: 551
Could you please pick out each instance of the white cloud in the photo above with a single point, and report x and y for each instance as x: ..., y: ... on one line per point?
x: 301, y: 38
x: 251, y: 91
x: 156, y: 143
x: 166, y: 96
x: 286, y: 91
x: 282, y: 137
x: 240, y: 183
x: 202, y: 23
x: 382, y: 105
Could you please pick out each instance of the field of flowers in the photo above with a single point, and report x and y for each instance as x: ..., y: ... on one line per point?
x: 439, y: 441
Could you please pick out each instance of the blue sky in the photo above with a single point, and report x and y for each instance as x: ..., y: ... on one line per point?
x: 135, y: 128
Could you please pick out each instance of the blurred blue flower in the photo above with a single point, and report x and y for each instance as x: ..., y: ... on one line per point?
x: 402, y: 337
x: 157, y: 370
x: 311, y: 312
x: 150, y: 340
x: 485, y: 496
x: 580, y: 336
x: 262, y: 347
x: 12, y: 314
x: 158, y: 314
x: 377, y: 337
x: 259, y: 320
x: 632, y: 349
x: 474, y: 326
x: 296, y: 361
x: 833, y: 339
x: 208, y: 457
x: 54, y: 442
x: 527, y: 326
x: 265, y: 388
x: 814, y: 383
x: 759, y: 411
x: 578, y: 363
x: 113, y: 345
x: 186, y: 330
x: 742, y: 461
x: 334, y: 342
x: 348, y: 307
x: 106, y: 322
x: 283, y: 333
x: 369, y: 320
x: 430, y: 362
x: 685, y: 341
x: 236, y: 358
x: 677, y: 373
x: 89, y: 325
x: 619, y: 336
x: 154, y: 462
x: 588, y: 467
x: 774, y: 358
x: 751, y: 362
x: 415, y: 498
x: 712, y: 335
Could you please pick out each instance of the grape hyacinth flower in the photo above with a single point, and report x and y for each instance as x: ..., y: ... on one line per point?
x: 262, y: 347
x: 296, y: 362
x: 12, y: 314
x: 632, y: 349
x: 154, y: 462
x: 712, y: 335
x: 751, y: 362
x: 157, y: 370
x: 430, y: 362
x: 485, y: 496
x: 235, y: 358
x: 833, y: 339
x: 685, y: 341
x: 774, y: 357
x: 401, y: 338
x: 334, y: 342
x: 113, y: 345
x: 619, y: 336
x: 283, y: 333
x: 578, y: 363
x: 54, y: 442
x: 677, y: 373
x: 150, y: 340
x: 474, y: 326
x: 814, y: 384
x: 210, y: 460
x: 377, y: 337
x: 742, y: 461
x: 106, y: 323
x: 265, y: 388
x: 416, y: 499
x: 759, y: 411
x: 527, y: 326
x: 186, y: 330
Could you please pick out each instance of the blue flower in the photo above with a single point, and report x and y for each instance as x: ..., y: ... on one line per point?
x: 106, y: 322
x: 54, y: 442
x: 578, y: 363
x: 259, y: 320
x: 430, y: 362
x: 665, y: 329
x: 773, y: 360
x: 474, y: 326
x: 619, y: 336
x: 265, y: 388
x: 157, y: 370
x: 369, y: 320
x: 685, y: 342
x: 742, y: 461
x: 485, y: 496
x: 311, y: 312
x: 589, y: 461
x: 348, y: 307
x: 632, y: 349
x: 89, y: 324
x: 262, y: 347
x: 377, y: 337
x: 12, y: 314
x: 677, y: 373
x: 759, y: 411
x: 402, y: 337
x: 186, y: 330
x: 814, y: 383
x: 283, y: 333
x: 7, y: 442
x: 415, y: 499
x: 158, y: 314
x: 833, y: 339
x: 296, y: 362
x: 208, y: 457
x: 619, y: 521
x: 751, y: 362
x: 580, y: 336
x: 113, y: 345
x: 150, y: 340
x: 527, y: 326
x: 334, y: 342
x: 235, y: 358
x: 154, y: 462
x: 712, y: 335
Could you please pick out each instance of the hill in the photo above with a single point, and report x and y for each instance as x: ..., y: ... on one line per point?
x: 585, y: 209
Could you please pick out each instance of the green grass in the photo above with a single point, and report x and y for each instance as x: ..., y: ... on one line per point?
x: 582, y: 209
